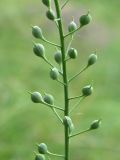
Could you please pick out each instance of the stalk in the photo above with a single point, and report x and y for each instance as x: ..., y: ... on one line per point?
x: 65, y: 80
x: 48, y: 100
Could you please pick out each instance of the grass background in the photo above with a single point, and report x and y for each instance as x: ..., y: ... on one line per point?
x: 22, y: 123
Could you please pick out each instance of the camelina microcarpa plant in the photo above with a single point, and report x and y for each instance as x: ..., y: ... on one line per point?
x: 64, y: 52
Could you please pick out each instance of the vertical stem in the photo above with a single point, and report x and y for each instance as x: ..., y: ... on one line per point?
x: 66, y: 101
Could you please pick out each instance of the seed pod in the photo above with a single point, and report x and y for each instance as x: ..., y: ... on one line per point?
x: 95, y: 124
x: 39, y: 50
x: 92, y: 59
x: 39, y: 157
x: 72, y: 53
x: 72, y: 26
x: 54, y: 73
x: 42, y: 148
x: 87, y: 90
x: 50, y: 14
x: 67, y: 121
x: 46, y: 2
x: 36, y: 97
x: 85, y: 19
x: 58, y: 57
x: 48, y: 98
x: 37, y: 32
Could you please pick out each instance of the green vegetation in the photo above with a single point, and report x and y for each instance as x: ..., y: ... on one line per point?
x: 22, y: 123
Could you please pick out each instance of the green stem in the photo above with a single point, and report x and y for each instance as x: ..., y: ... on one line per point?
x: 72, y: 32
x: 53, y: 106
x: 60, y: 82
x: 67, y: 59
x: 80, y: 133
x: 54, y: 154
x: 45, y: 59
x: 56, y: 23
x: 48, y: 62
x: 78, y: 73
x: 57, y: 115
x: 49, y: 42
x: 70, y: 43
x: 76, y: 105
x: 65, y: 81
x: 64, y: 4
x: 71, y: 98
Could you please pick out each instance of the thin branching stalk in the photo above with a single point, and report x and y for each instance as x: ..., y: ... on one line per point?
x: 64, y: 53
x: 76, y: 134
x: 65, y: 80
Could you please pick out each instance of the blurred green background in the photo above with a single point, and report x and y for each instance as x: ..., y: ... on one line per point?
x: 22, y: 123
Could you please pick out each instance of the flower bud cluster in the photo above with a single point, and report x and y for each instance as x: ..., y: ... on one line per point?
x: 39, y: 157
x: 87, y: 90
x: 72, y: 53
x: 46, y: 2
x: 50, y: 14
x: 95, y: 124
x: 54, y: 73
x: 42, y: 149
x: 72, y: 26
x: 36, y: 97
x: 60, y: 58
x: 68, y: 121
x: 92, y: 59
x: 39, y: 50
x: 37, y: 32
x: 48, y: 98
x: 85, y: 19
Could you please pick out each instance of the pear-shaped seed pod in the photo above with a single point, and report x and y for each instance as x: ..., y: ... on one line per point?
x: 50, y: 14
x: 48, y: 98
x: 95, y: 124
x: 87, y: 90
x: 39, y: 50
x: 46, y: 2
x: 72, y: 26
x: 85, y: 19
x: 72, y: 53
x: 67, y: 121
x: 92, y: 59
x: 37, y: 32
x: 58, y: 57
x: 42, y: 148
x: 36, y: 97
x: 54, y: 73
x: 39, y: 157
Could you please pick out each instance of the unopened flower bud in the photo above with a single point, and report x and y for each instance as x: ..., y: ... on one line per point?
x: 72, y: 53
x: 48, y: 98
x: 95, y: 124
x: 72, y: 26
x: 39, y: 157
x: 87, y: 90
x: 67, y: 121
x: 50, y: 14
x: 39, y: 50
x: 42, y: 148
x: 58, y: 57
x: 36, y: 97
x: 54, y: 73
x: 85, y: 19
x: 92, y: 59
x: 37, y: 32
x: 46, y: 2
